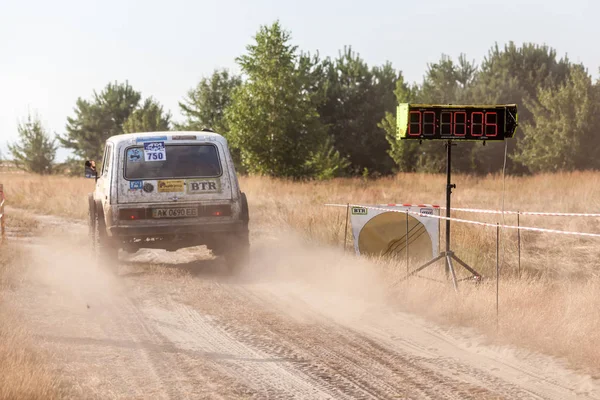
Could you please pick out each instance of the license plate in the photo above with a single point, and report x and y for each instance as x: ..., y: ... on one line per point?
x: 174, y: 212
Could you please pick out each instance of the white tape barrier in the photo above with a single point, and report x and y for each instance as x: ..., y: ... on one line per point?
x: 547, y: 214
x: 466, y: 221
x: 482, y: 211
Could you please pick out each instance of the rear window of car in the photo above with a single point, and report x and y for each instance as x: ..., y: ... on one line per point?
x: 176, y: 161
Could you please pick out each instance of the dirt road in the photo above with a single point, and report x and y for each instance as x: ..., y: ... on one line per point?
x: 295, y: 324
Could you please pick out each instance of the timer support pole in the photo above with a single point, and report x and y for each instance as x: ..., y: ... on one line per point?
x: 449, y: 187
x: 448, y: 255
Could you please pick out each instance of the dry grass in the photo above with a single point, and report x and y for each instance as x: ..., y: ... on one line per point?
x: 55, y: 195
x: 552, y: 307
x: 549, y: 316
x: 281, y: 204
x: 12, y: 266
x: 23, y: 372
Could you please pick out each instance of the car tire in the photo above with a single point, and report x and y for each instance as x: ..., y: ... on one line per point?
x: 245, y: 210
x: 238, y: 253
x: 106, y: 254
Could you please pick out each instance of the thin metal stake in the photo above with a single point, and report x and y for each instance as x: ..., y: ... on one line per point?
x: 519, y: 240
x: 497, y: 270
x: 407, y: 270
x: 346, y: 228
x: 2, y: 216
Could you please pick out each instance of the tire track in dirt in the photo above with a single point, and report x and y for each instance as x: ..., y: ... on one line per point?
x: 160, y: 335
x: 331, y: 357
x: 395, y: 333
x: 105, y: 347
x: 383, y: 370
x: 264, y: 372
x: 191, y: 374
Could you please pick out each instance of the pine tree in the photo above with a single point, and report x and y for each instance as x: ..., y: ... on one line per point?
x: 514, y: 74
x: 273, y: 118
x: 150, y: 117
x: 35, y: 151
x: 98, y: 119
x: 356, y: 99
x: 205, y: 105
x: 404, y: 153
x: 563, y: 131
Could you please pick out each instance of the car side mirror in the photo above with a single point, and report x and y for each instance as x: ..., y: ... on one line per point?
x: 90, y: 169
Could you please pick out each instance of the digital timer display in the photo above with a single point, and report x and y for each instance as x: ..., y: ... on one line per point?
x: 456, y: 122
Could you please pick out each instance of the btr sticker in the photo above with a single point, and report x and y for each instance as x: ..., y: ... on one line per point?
x: 427, y: 211
x: 204, y: 186
x: 359, y: 211
x: 134, y: 155
x: 170, y: 186
x: 136, y: 185
x: 155, y: 151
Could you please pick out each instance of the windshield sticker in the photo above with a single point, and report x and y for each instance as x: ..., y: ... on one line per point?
x: 170, y: 186
x: 204, y: 186
x: 151, y: 139
x: 134, y: 155
x: 136, y: 185
x: 155, y: 151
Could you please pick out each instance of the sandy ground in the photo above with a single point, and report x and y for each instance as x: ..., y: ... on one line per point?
x: 294, y: 324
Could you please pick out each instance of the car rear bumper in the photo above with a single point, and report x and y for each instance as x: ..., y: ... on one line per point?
x: 150, y: 230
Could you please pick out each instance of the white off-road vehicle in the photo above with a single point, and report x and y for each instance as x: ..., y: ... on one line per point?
x: 168, y: 190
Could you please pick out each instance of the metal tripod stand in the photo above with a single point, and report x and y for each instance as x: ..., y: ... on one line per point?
x: 448, y: 255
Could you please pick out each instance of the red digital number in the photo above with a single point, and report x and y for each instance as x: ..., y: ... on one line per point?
x: 428, y: 123
x: 460, y: 123
x: 414, y: 128
x: 446, y: 123
x: 476, y: 123
x: 491, y: 124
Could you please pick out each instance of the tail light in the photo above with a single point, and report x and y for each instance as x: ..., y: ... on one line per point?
x: 223, y: 210
x: 132, y: 214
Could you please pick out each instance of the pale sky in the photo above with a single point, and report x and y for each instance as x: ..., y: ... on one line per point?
x: 52, y: 52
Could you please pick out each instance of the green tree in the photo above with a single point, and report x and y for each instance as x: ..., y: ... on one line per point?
x: 272, y: 117
x: 404, y: 153
x: 205, y: 105
x: 35, y: 151
x: 150, y: 117
x: 356, y: 99
x: 563, y: 131
x: 99, y: 118
x: 514, y: 74
x: 325, y: 162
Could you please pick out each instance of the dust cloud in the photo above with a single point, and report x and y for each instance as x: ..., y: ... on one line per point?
x: 338, y: 284
x: 142, y: 332
x: 64, y: 272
